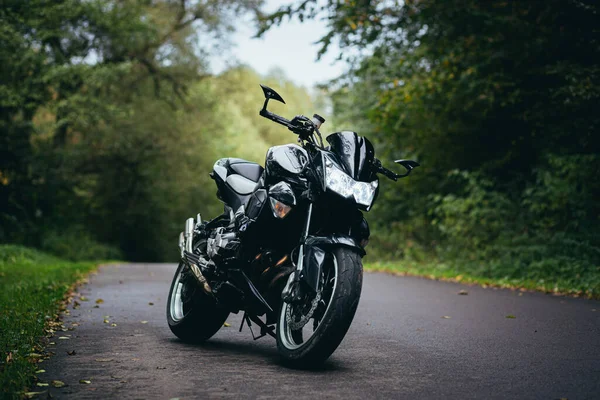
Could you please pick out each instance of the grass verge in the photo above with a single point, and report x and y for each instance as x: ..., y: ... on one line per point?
x: 575, y: 285
x: 32, y: 287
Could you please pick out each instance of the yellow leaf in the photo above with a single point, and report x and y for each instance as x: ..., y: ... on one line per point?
x: 31, y: 395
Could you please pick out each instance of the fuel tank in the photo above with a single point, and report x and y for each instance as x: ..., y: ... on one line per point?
x: 285, y: 162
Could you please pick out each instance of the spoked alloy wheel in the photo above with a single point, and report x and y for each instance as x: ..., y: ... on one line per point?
x: 308, y: 333
x: 178, y: 308
x: 191, y: 314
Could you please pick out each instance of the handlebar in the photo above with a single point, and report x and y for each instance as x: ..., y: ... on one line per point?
x: 300, y: 125
x: 380, y: 169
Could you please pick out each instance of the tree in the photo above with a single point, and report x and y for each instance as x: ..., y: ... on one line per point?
x: 497, y: 100
x: 70, y: 67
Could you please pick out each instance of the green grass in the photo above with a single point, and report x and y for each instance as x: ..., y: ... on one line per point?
x: 584, y: 284
x: 32, y: 285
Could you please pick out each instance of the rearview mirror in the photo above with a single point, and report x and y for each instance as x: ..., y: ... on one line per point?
x: 271, y: 94
x: 409, y: 165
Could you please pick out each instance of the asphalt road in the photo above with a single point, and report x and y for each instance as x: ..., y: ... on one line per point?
x: 411, y: 338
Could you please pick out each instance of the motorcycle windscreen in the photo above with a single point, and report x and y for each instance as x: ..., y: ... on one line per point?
x: 354, y: 152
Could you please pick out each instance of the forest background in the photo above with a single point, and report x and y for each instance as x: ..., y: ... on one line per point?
x: 110, y: 123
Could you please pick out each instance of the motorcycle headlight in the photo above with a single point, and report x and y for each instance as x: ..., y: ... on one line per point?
x: 338, y: 181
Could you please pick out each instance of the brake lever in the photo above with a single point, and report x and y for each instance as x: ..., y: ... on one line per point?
x: 302, y: 126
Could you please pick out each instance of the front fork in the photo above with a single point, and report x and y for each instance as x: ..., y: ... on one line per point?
x: 291, y: 292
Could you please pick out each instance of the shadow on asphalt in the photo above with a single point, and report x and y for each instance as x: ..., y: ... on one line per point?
x: 252, y: 351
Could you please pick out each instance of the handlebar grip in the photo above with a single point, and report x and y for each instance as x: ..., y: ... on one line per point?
x: 390, y: 174
x: 379, y: 168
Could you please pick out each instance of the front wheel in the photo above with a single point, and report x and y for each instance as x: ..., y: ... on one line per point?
x: 307, y: 334
x: 191, y: 314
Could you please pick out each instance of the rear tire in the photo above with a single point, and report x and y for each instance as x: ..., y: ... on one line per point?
x: 334, y: 323
x: 192, y: 315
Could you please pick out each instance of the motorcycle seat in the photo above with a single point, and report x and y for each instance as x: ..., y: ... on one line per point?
x: 240, y: 175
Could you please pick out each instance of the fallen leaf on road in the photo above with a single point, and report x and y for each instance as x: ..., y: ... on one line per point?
x: 446, y: 317
x: 42, y: 384
x: 161, y: 367
x: 83, y: 298
x: 104, y: 359
x: 71, y: 353
x: 511, y: 317
x: 85, y: 381
x: 99, y: 301
x: 58, y: 384
x: 143, y: 322
x: 113, y: 324
x: 463, y: 292
x: 96, y: 306
x: 39, y: 371
x: 151, y: 304
x: 63, y: 338
x: 106, y: 321
x: 31, y: 395
x: 226, y: 325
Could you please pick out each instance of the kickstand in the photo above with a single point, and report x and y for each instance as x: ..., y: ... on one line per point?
x: 264, y: 329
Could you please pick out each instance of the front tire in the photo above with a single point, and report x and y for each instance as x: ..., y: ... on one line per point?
x: 192, y: 315
x: 313, y: 344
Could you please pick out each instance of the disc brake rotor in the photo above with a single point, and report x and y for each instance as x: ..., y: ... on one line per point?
x: 304, y: 318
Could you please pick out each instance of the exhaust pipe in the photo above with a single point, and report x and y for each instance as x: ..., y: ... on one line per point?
x: 188, y: 239
x: 181, y: 244
x: 189, y: 234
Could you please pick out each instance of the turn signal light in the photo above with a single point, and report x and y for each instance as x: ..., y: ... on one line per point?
x: 280, y: 210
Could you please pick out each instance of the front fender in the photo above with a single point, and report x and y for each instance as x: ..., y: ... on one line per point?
x: 314, y: 250
x: 335, y: 239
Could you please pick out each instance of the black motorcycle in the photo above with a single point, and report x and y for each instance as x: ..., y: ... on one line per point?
x: 287, y: 250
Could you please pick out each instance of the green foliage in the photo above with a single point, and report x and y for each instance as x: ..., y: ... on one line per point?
x: 31, y: 287
x: 497, y: 100
x: 109, y: 124
x: 78, y: 245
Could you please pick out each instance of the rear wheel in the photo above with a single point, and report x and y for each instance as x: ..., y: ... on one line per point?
x: 307, y: 334
x: 192, y: 315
